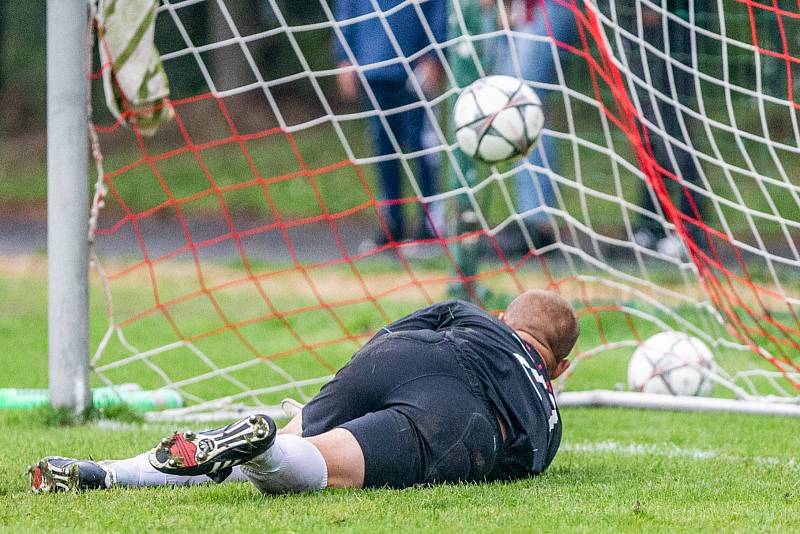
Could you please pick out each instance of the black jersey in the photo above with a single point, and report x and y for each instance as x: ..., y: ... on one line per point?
x: 513, y: 377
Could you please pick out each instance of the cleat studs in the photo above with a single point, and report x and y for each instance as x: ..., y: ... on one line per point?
x: 261, y: 432
x: 201, y: 455
x: 254, y: 419
x: 172, y: 462
x: 165, y: 442
x: 189, y: 435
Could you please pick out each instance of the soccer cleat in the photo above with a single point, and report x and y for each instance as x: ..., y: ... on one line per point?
x: 55, y: 473
x: 214, y: 452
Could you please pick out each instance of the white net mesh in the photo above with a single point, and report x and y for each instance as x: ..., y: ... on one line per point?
x: 254, y: 242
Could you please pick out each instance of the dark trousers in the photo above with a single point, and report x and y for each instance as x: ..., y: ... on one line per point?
x: 406, y: 127
x: 416, y: 412
x: 665, y: 136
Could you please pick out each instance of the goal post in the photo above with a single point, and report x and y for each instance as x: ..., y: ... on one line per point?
x: 68, y: 204
x: 247, y: 248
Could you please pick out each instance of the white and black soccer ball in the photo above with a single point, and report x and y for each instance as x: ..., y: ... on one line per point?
x: 672, y: 363
x: 498, y: 118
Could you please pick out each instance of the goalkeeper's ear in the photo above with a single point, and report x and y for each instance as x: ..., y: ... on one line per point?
x: 561, y: 367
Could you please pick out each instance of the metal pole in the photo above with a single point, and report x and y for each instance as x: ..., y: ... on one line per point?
x: 68, y: 204
x: 650, y: 401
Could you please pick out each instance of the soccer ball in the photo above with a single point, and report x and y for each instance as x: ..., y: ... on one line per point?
x: 497, y: 118
x: 672, y: 363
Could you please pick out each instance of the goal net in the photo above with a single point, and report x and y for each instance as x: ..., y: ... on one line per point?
x: 249, y: 246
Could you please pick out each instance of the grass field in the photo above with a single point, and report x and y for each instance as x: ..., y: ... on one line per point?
x: 672, y: 488
x: 619, y: 470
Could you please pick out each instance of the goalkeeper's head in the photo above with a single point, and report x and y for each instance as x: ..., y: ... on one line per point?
x: 548, y: 322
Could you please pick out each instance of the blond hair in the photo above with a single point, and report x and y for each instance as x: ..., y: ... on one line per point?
x: 548, y: 318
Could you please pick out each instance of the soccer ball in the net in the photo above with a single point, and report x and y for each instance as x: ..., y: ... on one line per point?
x: 497, y: 118
x: 672, y: 363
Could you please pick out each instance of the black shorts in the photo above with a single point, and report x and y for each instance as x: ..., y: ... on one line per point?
x: 417, y: 413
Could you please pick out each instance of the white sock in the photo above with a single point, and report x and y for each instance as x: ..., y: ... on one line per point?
x: 291, y: 465
x: 137, y: 472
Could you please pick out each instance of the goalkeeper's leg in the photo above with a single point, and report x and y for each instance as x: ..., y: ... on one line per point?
x: 137, y: 472
x: 56, y: 473
x: 286, y: 463
x: 296, y: 464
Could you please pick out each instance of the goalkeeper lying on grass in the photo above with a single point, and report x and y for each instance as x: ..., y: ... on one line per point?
x: 446, y: 394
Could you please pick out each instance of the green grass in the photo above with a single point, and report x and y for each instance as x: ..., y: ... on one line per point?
x: 663, y: 488
x: 582, y: 491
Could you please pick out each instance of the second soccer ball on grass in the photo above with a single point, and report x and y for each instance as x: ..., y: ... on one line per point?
x: 497, y: 118
x: 672, y: 363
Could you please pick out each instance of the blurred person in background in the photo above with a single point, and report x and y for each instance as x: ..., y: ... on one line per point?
x: 541, y: 24
x: 379, y: 46
x: 542, y: 28
x: 659, y: 98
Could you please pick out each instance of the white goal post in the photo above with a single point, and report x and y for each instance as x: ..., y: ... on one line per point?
x: 68, y: 203
x: 661, y: 197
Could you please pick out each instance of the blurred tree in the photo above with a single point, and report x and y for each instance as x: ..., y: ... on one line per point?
x: 2, y: 43
x: 22, y: 65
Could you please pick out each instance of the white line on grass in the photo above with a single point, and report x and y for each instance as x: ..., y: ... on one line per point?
x: 671, y: 451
